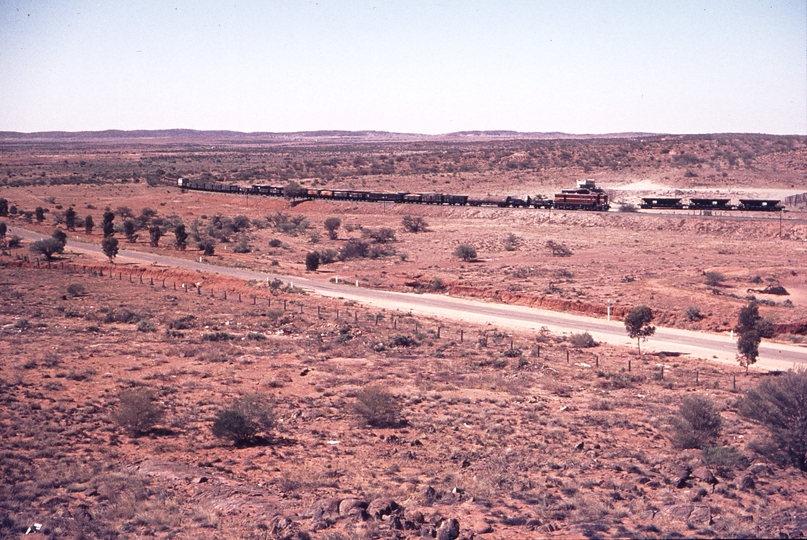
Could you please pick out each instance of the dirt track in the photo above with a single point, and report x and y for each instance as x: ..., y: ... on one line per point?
x: 705, y: 345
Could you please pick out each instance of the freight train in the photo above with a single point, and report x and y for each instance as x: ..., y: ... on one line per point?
x: 586, y: 196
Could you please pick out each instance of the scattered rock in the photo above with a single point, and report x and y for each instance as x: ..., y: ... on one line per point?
x: 414, y: 515
x: 481, y: 526
x: 701, y: 516
x: 747, y: 482
x: 760, y: 469
x: 704, y: 475
x: 324, y: 507
x: 351, y: 504
x: 449, y: 530
x: 381, y: 507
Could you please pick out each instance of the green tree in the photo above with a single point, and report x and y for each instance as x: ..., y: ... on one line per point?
x: 780, y: 405
x: 109, y: 246
x: 3, y: 230
x: 154, y: 235
x: 332, y: 224
x: 88, y: 224
x: 109, y: 227
x: 129, y: 230
x: 70, y: 219
x: 465, y: 252
x: 60, y: 236
x: 47, y: 247
x: 751, y: 328
x: 312, y: 261
x: 637, y: 324
x: 180, y: 236
x: 40, y: 214
x: 3, y: 207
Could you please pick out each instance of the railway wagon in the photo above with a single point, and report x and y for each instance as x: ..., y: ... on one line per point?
x: 759, y: 205
x: 540, y: 202
x: 710, y: 204
x: 267, y: 189
x: 501, y: 202
x: 386, y: 197
x: 455, y: 199
x: 662, y: 202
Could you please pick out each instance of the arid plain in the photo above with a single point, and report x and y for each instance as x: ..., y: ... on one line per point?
x: 511, y: 435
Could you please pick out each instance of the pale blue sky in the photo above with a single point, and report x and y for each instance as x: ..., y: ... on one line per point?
x: 577, y: 66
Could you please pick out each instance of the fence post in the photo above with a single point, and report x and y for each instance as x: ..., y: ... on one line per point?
x: 151, y: 281
x: 355, y: 316
x: 301, y: 307
x: 567, y: 356
x: 120, y: 277
x: 319, y: 312
x: 696, y: 378
x: 130, y: 278
x: 175, y: 285
x: 662, y: 372
x: 734, y: 382
x: 141, y: 278
x: 461, y: 336
x: 596, y: 360
x: 284, y: 304
x: 225, y: 294
x: 239, y: 297
x: 628, y: 365
x: 438, y: 332
x: 337, y: 314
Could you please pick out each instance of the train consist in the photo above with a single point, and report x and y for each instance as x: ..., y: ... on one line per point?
x: 586, y: 196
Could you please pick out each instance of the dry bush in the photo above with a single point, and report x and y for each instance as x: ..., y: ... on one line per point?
x: 242, y: 421
x: 138, y: 410
x: 582, y: 341
x: 377, y: 406
x: 780, y: 405
x: 76, y: 289
x: 697, y: 424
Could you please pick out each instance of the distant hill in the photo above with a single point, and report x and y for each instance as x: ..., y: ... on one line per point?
x: 185, y: 135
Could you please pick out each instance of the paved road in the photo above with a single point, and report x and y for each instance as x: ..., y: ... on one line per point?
x: 712, y: 346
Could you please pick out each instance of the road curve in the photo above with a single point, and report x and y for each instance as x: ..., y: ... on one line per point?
x: 697, y: 344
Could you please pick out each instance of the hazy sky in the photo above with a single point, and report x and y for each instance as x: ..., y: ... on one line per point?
x: 577, y: 66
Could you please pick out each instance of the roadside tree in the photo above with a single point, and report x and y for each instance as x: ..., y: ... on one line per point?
x: 637, y: 324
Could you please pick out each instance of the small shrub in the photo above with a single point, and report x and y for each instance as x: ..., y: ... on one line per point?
x: 244, y: 419
x: 724, y: 459
x: 217, y: 336
x: 384, y: 235
x: 354, y: 249
x: 275, y: 243
x: 414, y: 224
x: 693, y: 314
x: 377, y: 407
x: 714, y: 279
x: 76, y: 289
x: 402, y: 341
x: 465, y: 252
x: 628, y: 207
x: 697, y: 424
x: 146, y: 326
x: 582, y: 341
x: 327, y: 256
x: 513, y: 353
x: 558, y: 250
x: 138, y: 411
